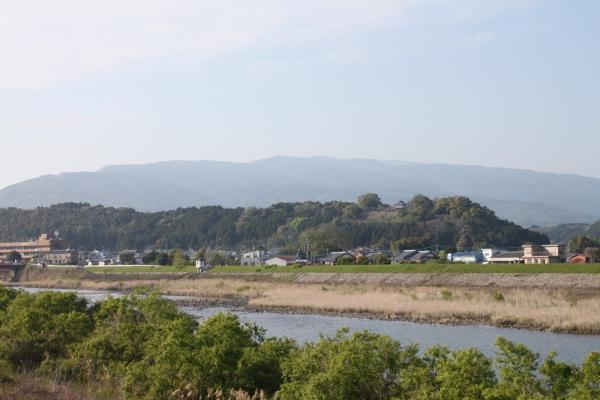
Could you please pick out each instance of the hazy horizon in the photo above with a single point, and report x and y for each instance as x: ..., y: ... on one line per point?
x: 500, y: 83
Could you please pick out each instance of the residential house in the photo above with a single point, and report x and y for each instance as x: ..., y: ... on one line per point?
x: 404, y: 256
x: 422, y: 256
x: 256, y: 257
x: 579, y: 259
x: 95, y: 257
x: 506, y: 257
x: 61, y: 257
x: 413, y: 256
x: 544, y: 254
x: 361, y: 252
x: 281, y: 261
x: 336, y: 257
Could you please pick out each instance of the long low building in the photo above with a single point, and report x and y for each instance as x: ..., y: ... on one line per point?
x: 36, y: 248
x: 507, y: 257
x: 61, y: 257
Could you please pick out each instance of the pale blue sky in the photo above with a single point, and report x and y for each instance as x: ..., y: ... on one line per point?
x: 490, y: 82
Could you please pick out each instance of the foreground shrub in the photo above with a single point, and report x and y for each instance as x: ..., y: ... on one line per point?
x: 362, y: 366
x: 41, y: 326
x: 124, y: 330
x: 143, y: 347
x: 223, y: 354
x: 6, y: 297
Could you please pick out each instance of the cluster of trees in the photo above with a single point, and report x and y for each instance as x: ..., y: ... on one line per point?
x: 453, y: 221
x: 587, y: 246
x: 146, y: 347
x: 580, y: 243
x: 175, y: 257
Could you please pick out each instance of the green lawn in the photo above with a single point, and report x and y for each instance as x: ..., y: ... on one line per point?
x: 407, y: 268
x: 141, y: 269
x: 450, y: 268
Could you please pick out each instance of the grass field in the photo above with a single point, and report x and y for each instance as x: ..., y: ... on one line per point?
x: 557, y: 309
x: 399, y: 268
x: 424, y: 268
x: 141, y: 269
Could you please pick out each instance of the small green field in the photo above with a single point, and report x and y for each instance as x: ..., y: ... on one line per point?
x: 423, y: 268
x: 128, y: 269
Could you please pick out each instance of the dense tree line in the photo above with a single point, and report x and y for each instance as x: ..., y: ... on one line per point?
x: 452, y: 222
x: 146, y: 348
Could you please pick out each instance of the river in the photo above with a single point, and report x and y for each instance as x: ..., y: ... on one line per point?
x: 570, y: 347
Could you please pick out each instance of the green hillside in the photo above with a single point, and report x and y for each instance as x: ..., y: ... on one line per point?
x: 449, y: 222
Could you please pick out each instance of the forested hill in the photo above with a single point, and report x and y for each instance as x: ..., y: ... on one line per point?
x: 452, y: 222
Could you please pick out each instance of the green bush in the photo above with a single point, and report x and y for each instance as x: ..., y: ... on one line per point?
x: 446, y: 294
x: 362, y: 366
x: 38, y: 326
x: 498, y: 296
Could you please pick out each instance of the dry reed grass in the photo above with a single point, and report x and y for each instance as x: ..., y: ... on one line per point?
x: 562, y: 310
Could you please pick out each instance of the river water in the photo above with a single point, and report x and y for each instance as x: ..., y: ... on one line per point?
x: 570, y: 347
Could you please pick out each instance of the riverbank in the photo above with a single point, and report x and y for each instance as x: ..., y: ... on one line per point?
x: 555, y: 302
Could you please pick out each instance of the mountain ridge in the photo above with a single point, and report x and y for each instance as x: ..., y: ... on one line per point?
x: 524, y: 196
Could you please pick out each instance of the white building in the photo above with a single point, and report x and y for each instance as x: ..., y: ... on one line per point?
x: 257, y: 257
x: 544, y: 254
x: 281, y: 261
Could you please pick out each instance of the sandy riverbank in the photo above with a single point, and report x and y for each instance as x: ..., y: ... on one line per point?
x: 557, y: 302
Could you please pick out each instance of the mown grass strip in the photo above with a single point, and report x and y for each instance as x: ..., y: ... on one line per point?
x: 141, y: 269
x: 423, y: 268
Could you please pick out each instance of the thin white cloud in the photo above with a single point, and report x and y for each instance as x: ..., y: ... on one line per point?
x: 46, y: 43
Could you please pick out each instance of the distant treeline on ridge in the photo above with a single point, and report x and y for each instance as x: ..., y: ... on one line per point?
x: 453, y: 222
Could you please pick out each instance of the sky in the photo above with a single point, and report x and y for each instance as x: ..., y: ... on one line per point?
x: 508, y: 83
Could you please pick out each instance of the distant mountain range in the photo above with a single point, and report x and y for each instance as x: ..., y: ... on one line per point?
x: 523, y: 196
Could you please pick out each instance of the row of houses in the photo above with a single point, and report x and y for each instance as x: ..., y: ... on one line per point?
x: 361, y: 255
x: 528, y: 254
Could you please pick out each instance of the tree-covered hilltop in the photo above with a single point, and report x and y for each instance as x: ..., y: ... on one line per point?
x: 422, y: 222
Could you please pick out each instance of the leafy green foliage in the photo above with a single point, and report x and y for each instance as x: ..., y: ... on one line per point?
x: 464, y: 375
x: 35, y: 327
x: 362, y: 366
x: 369, y: 201
x: 6, y: 297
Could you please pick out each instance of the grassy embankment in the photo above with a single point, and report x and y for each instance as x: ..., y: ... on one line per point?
x: 399, y: 268
x: 141, y: 269
x: 502, y: 297
x: 557, y: 309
